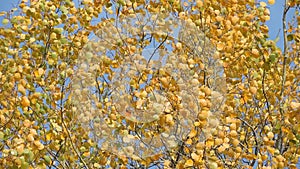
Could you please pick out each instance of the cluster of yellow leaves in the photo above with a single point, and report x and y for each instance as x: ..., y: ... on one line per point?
x: 169, y: 111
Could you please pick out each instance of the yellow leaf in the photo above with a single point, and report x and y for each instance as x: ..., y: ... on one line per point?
x: 219, y: 18
x: 189, y: 163
x: 253, y: 90
x: 129, y: 150
x: 48, y: 136
x: 25, y: 101
x: 218, y: 141
x: 33, y: 132
x: 169, y: 118
x: 178, y: 45
x: 255, y: 52
x: 128, y: 138
x: 295, y: 105
x: 57, y: 127
x: 270, y: 135
x: 31, y: 40
x: 193, y: 133
x: 195, y: 156
x: 233, y: 133
x: 263, y: 4
x: 220, y: 46
x: 199, y: 3
x: 203, y: 115
x: 226, y: 145
x: 164, y: 81
x: 234, y: 19
x: 21, y: 89
x: 27, y: 123
x: 212, y: 165
x: 209, y: 143
x: 2, y: 13
x: 53, y: 35
x: 17, y: 76
x: 196, y: 123
x: 96, y: 165
x: 20, y: 148
x: 18, y: 141
x: 38, y: 144
x: 167, y: 163
x: 203, y: 102
x: 41, y: 71
x: 51, y: 61
x: 235, y: 142
x: 221, y: 149
x: 232, y: 126
x: 86, y: 154
x: 271, y: 150
x: 139, y: 104
x: 271, y: 2
x: 143, y: 94
x: 238, y: 149
x: 200, y: 145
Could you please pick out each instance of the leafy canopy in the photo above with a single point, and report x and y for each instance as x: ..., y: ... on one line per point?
x: 165, y: 84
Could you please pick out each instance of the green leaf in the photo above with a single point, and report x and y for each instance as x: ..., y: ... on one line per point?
x: 30, y: 156
x: 64, y: 9
x: 293, y: 141
x: 14, y: 20
x: 47, y: 159
x: 82, y: 149
x: 58, y: 30
x: 122, y: 2
x: 278, y: 126
x: 1, y: 135
x: 63, y: 41
x: 290, y: 37
x: 24, y: 165
x: 5, y: 21
x: 272, y: 57
x: 14, y: 152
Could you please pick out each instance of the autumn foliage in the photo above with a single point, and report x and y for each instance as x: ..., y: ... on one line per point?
x: 148, y: 84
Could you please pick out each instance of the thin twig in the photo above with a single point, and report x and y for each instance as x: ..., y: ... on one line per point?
x: 156, y: 50
x: 278, y: 143
x: 65, y: 126
x: 255, y: 137
x: 286, y: 9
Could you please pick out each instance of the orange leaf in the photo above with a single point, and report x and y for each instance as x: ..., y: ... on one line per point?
x: 189, y: 163
x: 271, y: 2
x: 25, y: 101
x: 220, y: 46
x: 234, y: 19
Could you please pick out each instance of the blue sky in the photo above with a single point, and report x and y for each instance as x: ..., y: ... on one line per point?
x: 275, y: 23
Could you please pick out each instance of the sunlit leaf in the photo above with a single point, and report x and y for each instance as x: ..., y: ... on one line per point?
x: 189, y: 163
x: 271, y: 2
x: 5, y: 21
